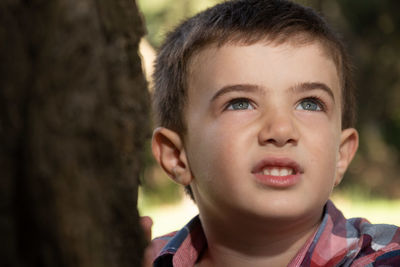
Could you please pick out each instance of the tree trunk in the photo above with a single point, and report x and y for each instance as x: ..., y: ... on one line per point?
x: 73, y: 121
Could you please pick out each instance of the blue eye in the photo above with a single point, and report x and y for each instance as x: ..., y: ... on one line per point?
x: 310, y: 104
x: 240, y: 104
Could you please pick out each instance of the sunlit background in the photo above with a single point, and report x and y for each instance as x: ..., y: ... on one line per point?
x: 371, y: 188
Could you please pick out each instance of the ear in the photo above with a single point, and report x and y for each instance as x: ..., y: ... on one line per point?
x: 347, y: 150
x: 168, y: 150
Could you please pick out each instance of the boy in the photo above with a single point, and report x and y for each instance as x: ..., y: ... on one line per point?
x: 255, y: 111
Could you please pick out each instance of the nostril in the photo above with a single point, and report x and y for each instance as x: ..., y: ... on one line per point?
x: 271, y: 141
x: 280, y: 142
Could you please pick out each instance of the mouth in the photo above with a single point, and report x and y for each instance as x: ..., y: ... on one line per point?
x: 277, y: 172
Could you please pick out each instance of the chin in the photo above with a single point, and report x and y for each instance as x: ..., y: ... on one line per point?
x: 281, y: 210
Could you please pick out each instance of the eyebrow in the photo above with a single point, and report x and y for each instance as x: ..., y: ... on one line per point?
x: 237, y: 88
x: 300, y: 87
x: 307, y: 86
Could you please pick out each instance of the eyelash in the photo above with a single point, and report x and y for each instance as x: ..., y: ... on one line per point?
x: 238, y: 100
x: 316, y: 99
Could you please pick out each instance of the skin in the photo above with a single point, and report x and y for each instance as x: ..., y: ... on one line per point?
x: 249, y: 104
x: 146, y: 223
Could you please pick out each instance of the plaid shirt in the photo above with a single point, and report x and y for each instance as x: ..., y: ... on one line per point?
x: 337, y: 242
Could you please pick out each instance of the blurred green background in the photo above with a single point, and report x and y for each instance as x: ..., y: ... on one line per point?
x: 371, y: 30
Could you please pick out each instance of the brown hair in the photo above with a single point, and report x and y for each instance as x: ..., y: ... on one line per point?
x: 241, y: 22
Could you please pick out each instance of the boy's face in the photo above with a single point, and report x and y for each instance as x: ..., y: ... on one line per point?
x: 264, y: 131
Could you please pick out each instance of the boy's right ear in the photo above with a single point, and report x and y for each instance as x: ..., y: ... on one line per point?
x: 168, y: 150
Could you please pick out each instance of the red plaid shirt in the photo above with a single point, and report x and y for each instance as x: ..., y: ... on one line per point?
x: 337, y: 242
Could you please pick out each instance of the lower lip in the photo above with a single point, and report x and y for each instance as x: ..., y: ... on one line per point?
x: 278, y: 181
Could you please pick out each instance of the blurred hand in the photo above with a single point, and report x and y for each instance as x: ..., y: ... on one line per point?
x: 147, y: 223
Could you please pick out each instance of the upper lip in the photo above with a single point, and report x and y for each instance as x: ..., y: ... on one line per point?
x: 277, y: 162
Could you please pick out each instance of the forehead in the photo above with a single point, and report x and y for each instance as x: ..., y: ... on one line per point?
x: 261, y: 63
x: 294, y: 40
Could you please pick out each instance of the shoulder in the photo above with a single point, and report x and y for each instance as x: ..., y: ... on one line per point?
x: 158, y: 243
x: 355, y: 241
x: 380, y: 244
x: 181, y: 248
x: 381, y: 234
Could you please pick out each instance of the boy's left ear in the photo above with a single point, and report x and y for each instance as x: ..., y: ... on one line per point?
x: 347, y: 150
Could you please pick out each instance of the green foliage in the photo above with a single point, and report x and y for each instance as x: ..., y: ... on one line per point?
x: 157, y: 188
x: 162, y: 15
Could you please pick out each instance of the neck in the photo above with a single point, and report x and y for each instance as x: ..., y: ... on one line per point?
x: 249, y: 241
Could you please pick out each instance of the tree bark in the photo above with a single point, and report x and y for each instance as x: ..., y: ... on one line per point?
x: 73, y: 122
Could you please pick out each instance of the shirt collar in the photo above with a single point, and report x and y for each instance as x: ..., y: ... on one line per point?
x: 335, y: 241
x: 185, y: 247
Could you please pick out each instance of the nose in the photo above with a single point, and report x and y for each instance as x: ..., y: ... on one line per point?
x: 278, y: 129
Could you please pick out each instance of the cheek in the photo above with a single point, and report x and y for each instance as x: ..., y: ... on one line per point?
x: 208, y: 162
x: 225, y: 135
x: 314, y: 120
x: 204, y: 149
x: 211, y: 151
x: 215, y: 151
x: 324, y: 152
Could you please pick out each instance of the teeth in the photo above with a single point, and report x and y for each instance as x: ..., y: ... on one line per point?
x: 278, y: 171
x: 275, y: 172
